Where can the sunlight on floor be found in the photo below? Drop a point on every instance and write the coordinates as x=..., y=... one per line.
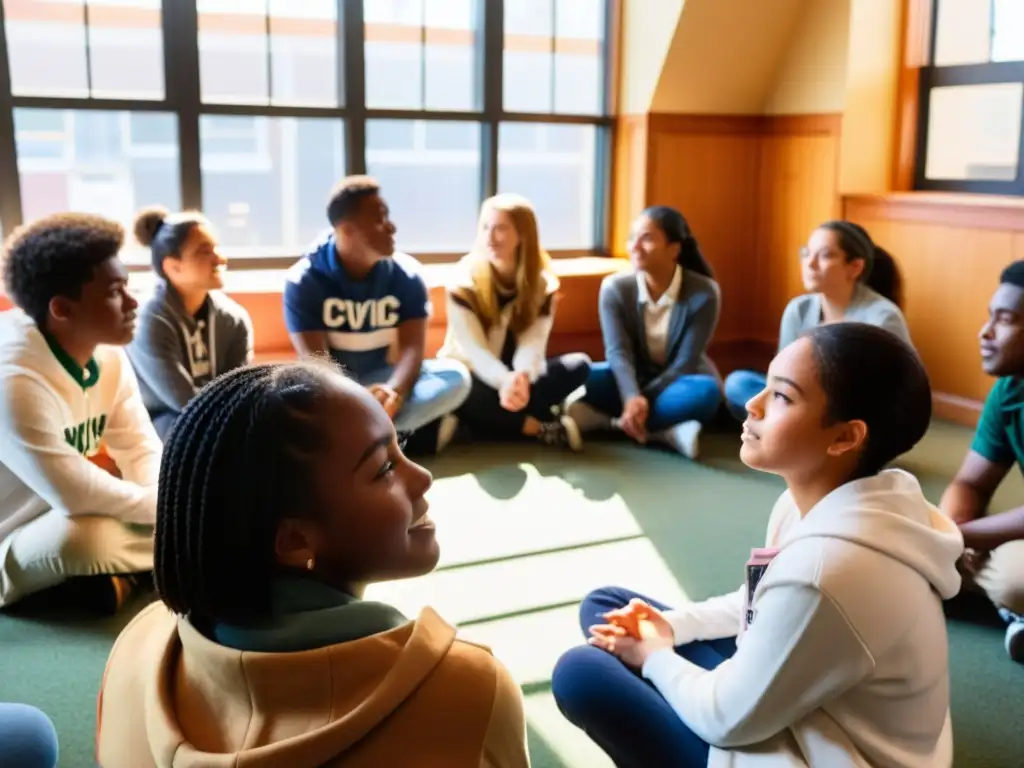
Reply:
x=501, y=582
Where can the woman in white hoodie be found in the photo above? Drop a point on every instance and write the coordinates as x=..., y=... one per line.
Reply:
x=835, y=653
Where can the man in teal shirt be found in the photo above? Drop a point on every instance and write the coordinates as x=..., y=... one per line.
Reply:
x=994, y=557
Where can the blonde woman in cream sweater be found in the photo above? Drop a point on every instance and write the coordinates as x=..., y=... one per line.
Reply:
x=501, y=307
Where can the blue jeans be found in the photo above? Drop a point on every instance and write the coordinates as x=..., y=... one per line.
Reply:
x=623, y=713
x=740, y=386
x=27, y=737
x=442, y=387
x=695, y=397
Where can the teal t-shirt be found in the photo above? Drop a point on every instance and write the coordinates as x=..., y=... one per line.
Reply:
x=1000, y=433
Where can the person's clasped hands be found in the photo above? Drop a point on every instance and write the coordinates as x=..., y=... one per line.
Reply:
x=514, y=394
x=633, y=633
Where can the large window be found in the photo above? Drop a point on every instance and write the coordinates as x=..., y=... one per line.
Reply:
x=972, y=99
x=252, y=109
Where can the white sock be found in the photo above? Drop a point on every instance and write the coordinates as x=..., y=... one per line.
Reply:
x=684, y=438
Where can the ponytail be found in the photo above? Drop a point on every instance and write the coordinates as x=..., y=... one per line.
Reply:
x=885, y=277
x=880, y=271
x=677, y=230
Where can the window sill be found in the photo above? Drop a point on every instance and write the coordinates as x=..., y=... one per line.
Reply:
x=944, y=208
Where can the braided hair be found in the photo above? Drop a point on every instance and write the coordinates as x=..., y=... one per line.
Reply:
x=237, y=461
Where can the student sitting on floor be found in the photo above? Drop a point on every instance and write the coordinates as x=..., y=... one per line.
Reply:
x=189, y=332
x=501, y=307
x=356, y=298
x=994, y=561
x=66, y=390
x=27, y=737
x=836, y=645
x=284, y=494
x=657, y=323
x=848, y=278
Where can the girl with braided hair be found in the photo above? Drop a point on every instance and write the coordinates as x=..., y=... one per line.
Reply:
x=848, y=278
x=283, y=494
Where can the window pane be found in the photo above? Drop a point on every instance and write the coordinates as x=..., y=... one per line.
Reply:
x=528, y=61
x=974, y=132
x=393, y=31
x=233, y=51
x=126, y=49
x=450, y=54
x=579, y=30
x=46, y=47
x=304, y=52
x=93, y=161
x=553, y=166
x=432, y=188
x=963, y=32
x=1008, y=31
x=266, y=180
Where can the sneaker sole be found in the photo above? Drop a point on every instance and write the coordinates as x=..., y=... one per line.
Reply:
x=1015, y=642
x=572, y=434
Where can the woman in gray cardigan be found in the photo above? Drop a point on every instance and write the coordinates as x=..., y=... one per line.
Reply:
x=850, y=279
x=657, y=321
x=188, y=332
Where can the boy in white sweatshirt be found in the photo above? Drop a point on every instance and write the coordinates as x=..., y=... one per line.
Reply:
x=835, y=654
x=67, y=394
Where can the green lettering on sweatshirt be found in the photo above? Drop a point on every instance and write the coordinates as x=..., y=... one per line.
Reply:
x=85, y=437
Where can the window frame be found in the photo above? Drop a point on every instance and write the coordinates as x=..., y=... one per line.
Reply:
x=182, y=97
x=934, y=76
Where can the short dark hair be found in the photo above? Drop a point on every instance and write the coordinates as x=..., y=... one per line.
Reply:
x=870, y=374
x=165, y=233
x=676, y=229
x=1013, y=274
x=347, y=195
x=56, y=256
x=237, y=460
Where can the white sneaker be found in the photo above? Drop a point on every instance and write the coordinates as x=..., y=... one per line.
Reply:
x=685, y=438
x=1014, y=635
x=562, y=432
x=446, y=431
x=587, y=418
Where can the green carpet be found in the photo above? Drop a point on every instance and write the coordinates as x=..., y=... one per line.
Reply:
x=525, y=532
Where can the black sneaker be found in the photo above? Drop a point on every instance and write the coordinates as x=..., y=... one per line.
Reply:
x=563, y=432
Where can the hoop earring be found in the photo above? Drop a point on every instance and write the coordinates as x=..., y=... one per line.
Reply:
x=309, y=564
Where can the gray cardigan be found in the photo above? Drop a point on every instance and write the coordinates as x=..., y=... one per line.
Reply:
x=159, y=351
x=691, y=326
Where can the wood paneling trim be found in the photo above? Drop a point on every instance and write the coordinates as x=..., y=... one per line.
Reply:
x=948, y=209
x=718, y=125
x=825, y=124
x=959, y=410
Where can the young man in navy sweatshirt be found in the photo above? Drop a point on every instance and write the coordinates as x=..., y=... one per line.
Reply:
x=358, y=300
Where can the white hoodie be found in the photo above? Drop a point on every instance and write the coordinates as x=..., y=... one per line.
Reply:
x=846, y=660
x=50, y=423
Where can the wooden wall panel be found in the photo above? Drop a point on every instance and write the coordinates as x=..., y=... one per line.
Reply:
x=950, y=252
x=797, y=191
x=710, y=179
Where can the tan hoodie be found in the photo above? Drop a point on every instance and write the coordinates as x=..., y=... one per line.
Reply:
x=411, y=696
